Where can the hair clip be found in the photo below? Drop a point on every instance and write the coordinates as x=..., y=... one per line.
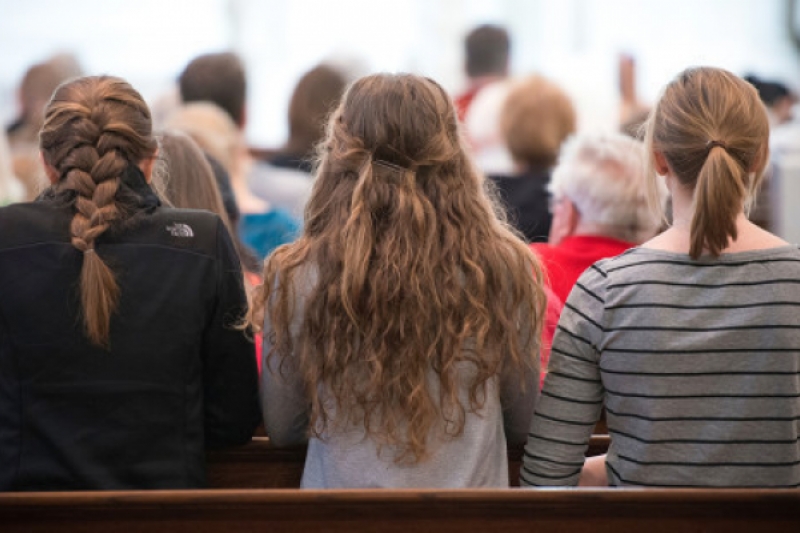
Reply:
x=391, y=166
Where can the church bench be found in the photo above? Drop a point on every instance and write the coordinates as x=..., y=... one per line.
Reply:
x=258, y=465
x=443, y=511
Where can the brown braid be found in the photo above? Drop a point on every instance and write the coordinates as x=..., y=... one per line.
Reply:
x=94, y=128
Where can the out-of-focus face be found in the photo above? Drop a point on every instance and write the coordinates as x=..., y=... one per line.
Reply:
x=782, y=111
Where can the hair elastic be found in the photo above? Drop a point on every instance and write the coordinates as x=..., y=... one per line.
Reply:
x=712, y=144
x=88, y=251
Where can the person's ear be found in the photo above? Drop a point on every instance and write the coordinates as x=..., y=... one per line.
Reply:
x=565, y=221
x=147, y=165
x=662, y=167
x=50, y=172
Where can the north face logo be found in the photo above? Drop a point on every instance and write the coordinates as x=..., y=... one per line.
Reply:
x=180, y=230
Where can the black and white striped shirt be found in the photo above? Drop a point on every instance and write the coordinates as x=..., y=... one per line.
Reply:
x=697, y=363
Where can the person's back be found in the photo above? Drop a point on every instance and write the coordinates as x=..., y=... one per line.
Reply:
x=119, y=364
x=401, y=330
x=690, y=340
x=537, y=117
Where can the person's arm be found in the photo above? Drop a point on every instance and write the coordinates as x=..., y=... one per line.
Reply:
x=283, y=399
x=518, y=392
x=230, y=377
x=572, y=397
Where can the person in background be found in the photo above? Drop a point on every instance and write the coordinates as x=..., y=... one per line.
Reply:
x=401, y=330
x=482, y=129
x=599, y=204
x=119, y=362
x=285, y=180
x=184, y=177
x=777, y=97
x=691, y=339
x=261, y=226
x=221, y=79
x=487, y=49
x=536, y=119
x=34, y=91
x=11, y=190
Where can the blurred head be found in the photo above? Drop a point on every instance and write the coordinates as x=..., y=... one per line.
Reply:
x=600, y=182
x=96, y=130
x=218, y=78
x=315, y=96
x=410, y=263
x=212, y=129
x=186, y=177
x=37, y=86
x=536, y=118
x=777, y=97
x=487, y=49
x=710, y=132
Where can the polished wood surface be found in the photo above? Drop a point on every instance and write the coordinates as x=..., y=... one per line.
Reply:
x=456, y=511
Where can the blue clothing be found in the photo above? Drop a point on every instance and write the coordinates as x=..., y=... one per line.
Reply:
x=263, y=232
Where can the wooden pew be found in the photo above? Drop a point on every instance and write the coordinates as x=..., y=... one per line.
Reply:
x=258, y=465
x=456, y=511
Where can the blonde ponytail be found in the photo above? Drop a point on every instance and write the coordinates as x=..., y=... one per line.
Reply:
x=713, y=131
x=719, y=198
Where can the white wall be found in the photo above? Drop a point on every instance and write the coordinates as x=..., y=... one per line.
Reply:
x=574, y=41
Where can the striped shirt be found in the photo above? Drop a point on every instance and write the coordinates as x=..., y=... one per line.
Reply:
x=697, y=363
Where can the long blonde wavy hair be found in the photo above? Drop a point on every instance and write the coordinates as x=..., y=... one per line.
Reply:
x=415, y=273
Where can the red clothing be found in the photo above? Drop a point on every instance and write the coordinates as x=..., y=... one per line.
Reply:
x=464, y=100
x=565, y=262
x=552, y=312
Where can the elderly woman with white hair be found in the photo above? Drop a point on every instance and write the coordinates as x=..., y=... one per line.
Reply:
x=599, y=205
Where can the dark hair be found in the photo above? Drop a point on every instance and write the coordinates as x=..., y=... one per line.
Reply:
x=95, y=130
x=314, y=97
x=487, y=50
x=770, y=92
x=218, y=78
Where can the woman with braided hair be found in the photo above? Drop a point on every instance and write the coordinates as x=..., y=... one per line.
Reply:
x=402, y=329
x=119, y=365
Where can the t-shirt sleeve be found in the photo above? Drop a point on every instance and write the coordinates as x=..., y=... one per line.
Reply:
x=572, y=397
x=283, y=399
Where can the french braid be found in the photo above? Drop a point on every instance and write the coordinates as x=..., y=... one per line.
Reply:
x=94, y=128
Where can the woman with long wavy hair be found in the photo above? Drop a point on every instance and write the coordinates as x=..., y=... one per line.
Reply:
x=402, y=329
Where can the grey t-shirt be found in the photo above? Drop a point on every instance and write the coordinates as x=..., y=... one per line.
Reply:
x=347, y=458
x=697, y=363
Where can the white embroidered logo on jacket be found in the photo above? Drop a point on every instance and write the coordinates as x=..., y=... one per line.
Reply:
x=180, y=230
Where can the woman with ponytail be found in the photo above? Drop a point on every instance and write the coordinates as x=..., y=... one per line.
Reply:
x=402, y=329
x=692, y=340
x=119, y=363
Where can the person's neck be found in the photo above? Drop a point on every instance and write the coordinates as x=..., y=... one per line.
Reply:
x=678, y=237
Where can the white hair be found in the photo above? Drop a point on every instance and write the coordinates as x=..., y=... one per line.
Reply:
x=605, y=176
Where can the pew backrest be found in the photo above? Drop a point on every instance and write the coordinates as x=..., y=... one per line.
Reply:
x=456, y=511
x=259, y=465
